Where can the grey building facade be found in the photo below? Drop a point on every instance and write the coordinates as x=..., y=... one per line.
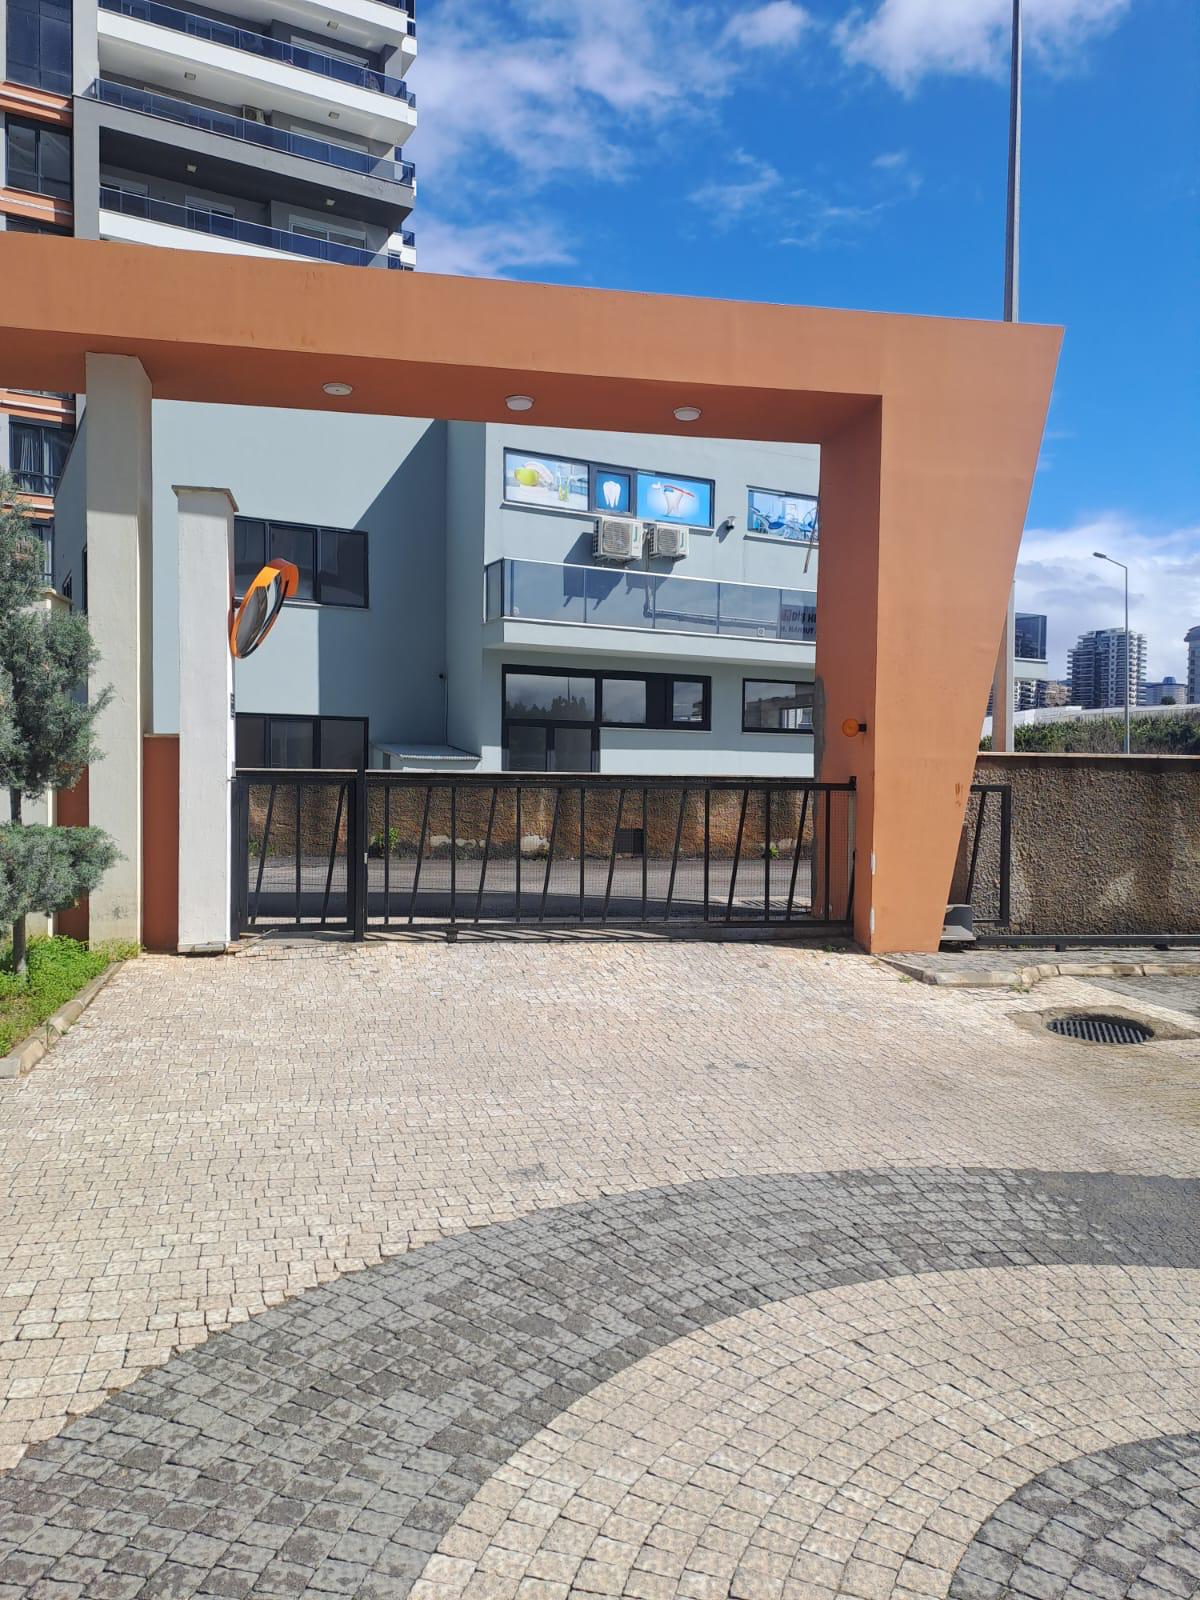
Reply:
x=1192, y=639
x=454, y=614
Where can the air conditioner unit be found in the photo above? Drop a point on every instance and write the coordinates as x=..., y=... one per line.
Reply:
x=668, y=539
x=617, y=539
x=254, y=114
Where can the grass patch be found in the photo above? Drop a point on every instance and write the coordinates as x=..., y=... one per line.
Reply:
x=58, y=969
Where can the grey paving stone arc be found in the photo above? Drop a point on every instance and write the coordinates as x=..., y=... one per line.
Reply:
x=326, y=1446
x=1120, y=1522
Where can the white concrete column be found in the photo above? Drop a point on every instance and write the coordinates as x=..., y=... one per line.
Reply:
x=206, y=750
x=119, y=552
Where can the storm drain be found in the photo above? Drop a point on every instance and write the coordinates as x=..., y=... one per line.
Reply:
x=1094, y=1028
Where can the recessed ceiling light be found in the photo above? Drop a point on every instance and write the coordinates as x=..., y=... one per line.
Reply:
x=338, y=388
x=328, y=201
x=687, y=413
x=332, y=26
x=191, y=166
x=189, y=77
x=334, y=115
x=519, y=402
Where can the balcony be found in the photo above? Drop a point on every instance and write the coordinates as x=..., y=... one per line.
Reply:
x=215, y=231
x=259, y=44
x=227, y=64
x=736, y=621
x=43, y=483
x=258, y=133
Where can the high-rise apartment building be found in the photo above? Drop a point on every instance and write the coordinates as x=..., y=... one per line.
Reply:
x=1099, y=664
x=268, y=127
x=1192, y=639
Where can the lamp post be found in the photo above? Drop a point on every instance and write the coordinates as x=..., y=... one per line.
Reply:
x=1100, y=556
x=1003, y=685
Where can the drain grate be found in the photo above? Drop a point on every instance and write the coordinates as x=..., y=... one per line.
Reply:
x=1094, y=1028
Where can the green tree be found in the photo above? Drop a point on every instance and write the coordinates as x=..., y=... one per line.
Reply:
x=46, y=732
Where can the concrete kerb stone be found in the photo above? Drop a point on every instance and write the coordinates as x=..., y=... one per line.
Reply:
x=25, y=1056
x=1026, y=974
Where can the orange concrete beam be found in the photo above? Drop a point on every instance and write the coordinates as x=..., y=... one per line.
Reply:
x=37, y=207
x=22, y=100
x=929, y=429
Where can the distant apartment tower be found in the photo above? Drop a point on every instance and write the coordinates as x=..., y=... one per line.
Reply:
x=263, y=127
x=1101, y=663
x=1192, y=639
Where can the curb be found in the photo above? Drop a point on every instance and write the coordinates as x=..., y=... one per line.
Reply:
x=26, y=1055
x=1034, y=972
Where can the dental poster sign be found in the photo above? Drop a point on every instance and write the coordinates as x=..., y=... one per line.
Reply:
x=556, y=483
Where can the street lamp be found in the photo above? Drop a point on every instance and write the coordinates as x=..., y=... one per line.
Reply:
x=1100, y=556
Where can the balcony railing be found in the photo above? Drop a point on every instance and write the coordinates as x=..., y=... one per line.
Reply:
x=221, y=226
x=607, y=597
x=234, y=127
x=259, y=44
x=35, y=482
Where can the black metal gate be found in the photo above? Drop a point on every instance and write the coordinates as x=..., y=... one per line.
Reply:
x=390, y=851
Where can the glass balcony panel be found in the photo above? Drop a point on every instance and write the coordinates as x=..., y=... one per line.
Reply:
x=623, y=598
x=235, y=127
x=618, y=599
x=544, y=592
x=797, y=616
x=749, y=610
x=221, y=225
x=228, y=33
x=687, y=605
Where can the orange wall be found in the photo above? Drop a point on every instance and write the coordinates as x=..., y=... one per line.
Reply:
x=160, y=841
x=929, y=429
x=71, y=811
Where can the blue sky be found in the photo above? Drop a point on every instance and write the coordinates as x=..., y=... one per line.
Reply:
x=854, y=155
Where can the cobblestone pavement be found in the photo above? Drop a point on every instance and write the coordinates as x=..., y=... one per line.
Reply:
x=698, y=1270
x=1177, y=994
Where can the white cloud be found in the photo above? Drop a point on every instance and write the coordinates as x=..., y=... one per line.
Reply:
x=490, y=250
x=776, y=25
x=514, y=95
x=1058, y=574
x=734, y=196
x=905, y=40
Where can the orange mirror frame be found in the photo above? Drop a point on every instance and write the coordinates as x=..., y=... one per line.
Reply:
x=261, y=604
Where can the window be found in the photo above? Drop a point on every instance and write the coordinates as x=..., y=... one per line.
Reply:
x=38, y=454
x=32, y=225
x=623, y=702
x=689, y=702
x=552, y=720
x=561, y=699
x=332, y=562
x=39, y=44
x=782, y=515
x=285, y=741
x=39, y=159
x=771, y=705
x=1030, y=637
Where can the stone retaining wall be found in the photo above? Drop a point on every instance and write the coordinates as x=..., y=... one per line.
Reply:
x=1100, y=844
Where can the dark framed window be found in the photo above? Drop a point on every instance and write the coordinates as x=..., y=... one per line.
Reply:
x=38, y=454
x=38, y=158
x=776, y=705
x=32, y=225
x=552, y=719
x=287, y=741
x=332, y=562
x=39, y=44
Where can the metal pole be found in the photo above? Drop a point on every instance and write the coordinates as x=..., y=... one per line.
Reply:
x=1003, y=684
x=1128, y=661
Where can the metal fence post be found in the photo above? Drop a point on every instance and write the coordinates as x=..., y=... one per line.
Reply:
x=356, y=862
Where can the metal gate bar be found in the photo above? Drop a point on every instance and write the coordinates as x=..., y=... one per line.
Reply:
x=458, y=848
